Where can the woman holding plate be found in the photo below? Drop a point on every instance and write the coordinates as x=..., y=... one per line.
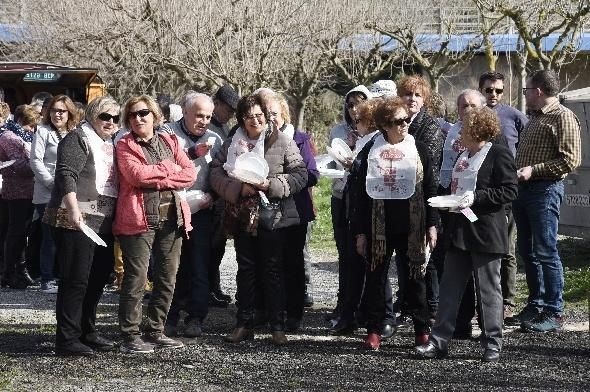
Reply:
x=84, y=196
x=391, y=214
x=477, y=231
x=258, y=212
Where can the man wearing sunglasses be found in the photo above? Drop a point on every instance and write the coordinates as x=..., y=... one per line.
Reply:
x=512, y=122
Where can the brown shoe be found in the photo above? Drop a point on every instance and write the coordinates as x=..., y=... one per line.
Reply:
x=239, y=334
x=278, y=338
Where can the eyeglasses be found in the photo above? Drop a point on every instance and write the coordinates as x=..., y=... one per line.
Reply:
x=401, y=121
x=257, y=116
x=273, y=114
x=490, y=90
x=107, y=117
x=58, y=111
x=141, y=113
x=524, y=89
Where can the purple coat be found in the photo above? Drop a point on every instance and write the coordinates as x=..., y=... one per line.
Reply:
x=303, y=198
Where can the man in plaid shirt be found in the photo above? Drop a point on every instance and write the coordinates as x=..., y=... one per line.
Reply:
x=549, y=149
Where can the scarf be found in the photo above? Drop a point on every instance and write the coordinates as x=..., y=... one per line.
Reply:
x=13, y=126
x=416, y=236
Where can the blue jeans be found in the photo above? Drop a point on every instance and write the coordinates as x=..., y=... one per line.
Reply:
x=536, y=212
x=47, y=256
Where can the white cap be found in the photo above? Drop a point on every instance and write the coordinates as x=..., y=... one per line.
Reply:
x=383, y=88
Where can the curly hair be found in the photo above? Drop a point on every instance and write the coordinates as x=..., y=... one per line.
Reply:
x=4, y=112
x=366, y=113
x=385, y=111
x=73, y=113
x=437, y=107
x=411, y=83
x=26, y=115
x=481, y=124
x=245, y=104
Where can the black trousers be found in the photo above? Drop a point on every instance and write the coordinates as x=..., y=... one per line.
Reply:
x=218, y=242
x=20, y=215
x=415, y=292
x=3, y=229
x=83, y=269
x=355, y=283
x=294, y=267
x=264, y=250
x=338, y=210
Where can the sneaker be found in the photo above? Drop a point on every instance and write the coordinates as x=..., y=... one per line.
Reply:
x=194, y=328
x=161, y=340
x=49, y=287
x=527, y=314
x=136, y=346
x=545, y=322
x=74, y=349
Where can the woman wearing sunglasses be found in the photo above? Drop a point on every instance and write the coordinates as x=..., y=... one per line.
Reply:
x=150, y=221
x=391, y=214
x=84, y=194
x=60, y=118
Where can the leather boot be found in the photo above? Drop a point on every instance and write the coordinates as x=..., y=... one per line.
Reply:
x=278, y=338
x=239, y=334
x=23, y=274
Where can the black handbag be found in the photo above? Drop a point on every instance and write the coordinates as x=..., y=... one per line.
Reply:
x=269, y=214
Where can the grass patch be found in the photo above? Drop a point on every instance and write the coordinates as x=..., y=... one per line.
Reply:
x=323, y=236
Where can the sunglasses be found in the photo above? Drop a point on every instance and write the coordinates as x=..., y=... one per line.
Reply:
x=141, y=113
x=401, y=121
x=108, y=117
x=490, y=90
x=57, y=111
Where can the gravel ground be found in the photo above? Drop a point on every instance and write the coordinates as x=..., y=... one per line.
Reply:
x=312, y=360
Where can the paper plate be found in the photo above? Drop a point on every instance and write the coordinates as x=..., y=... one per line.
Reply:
x=323, y=160
x=247, y=176
x=253, y=163
x=194, y=198
x=335, y=155
x=341, y=148
x=332, y=173
x=450, y=201
x=6, y=164
x=91, y=234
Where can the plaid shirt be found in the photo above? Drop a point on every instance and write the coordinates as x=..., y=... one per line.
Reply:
x=550, y=143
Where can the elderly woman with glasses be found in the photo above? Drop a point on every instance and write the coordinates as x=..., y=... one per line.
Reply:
x=391, y=214
x=61, y=118
x=17, y=192
x=150, y=221
x=84, y=196
x=258, y=213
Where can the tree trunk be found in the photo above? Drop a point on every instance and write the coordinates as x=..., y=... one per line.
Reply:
x=300, y=112
x=522, y=60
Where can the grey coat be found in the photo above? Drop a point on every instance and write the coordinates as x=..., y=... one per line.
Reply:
x=287, y=175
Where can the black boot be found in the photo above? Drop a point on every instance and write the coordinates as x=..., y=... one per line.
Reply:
x=308, y=298
x=22, y=273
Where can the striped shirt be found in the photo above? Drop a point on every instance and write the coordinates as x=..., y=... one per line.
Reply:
x=550, y=143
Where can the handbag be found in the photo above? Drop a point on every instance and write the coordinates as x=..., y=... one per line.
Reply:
x=269, y=214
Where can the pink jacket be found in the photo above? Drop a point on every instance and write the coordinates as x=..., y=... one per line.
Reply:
x=135, y=173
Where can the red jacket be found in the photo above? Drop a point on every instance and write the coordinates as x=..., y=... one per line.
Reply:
x=135, y=173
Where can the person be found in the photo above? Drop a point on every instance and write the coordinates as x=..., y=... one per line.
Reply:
x=383, y=88
x=17, y=192
x=38, y=100
x=512, y=122
x=477, y=234
x=150, y=219
x=416, y=94
x=346, y=131
x=437, y=108
x=4, y=113
x=192, y=281
x=256, y=225
x=84, y=193
x=391, y=214
x=351, y=315
x=226, y=101
x=549, y=149
x=4, y=117
x=61, y=118
x=293, y=260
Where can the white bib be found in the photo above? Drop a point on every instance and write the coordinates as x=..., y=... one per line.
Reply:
x=465, y=170
x=103, y=151
x=241, y=143
x=391, y=172
x=451, y=150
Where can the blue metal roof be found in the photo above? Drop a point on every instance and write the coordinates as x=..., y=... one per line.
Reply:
x=12, y=32
x=460, y=42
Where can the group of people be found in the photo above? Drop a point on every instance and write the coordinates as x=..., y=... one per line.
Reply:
x=448, y=201
x=83, y=176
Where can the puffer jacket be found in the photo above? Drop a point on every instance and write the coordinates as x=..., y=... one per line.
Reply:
x=287, y=175
x=135, y=174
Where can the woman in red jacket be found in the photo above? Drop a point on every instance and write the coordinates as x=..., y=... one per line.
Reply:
x=150, y=219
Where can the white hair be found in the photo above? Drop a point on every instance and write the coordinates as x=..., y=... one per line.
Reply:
x=191, y=96
x=469, y=91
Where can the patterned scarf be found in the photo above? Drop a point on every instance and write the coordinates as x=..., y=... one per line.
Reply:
x=416, y=236
x=13, y=126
